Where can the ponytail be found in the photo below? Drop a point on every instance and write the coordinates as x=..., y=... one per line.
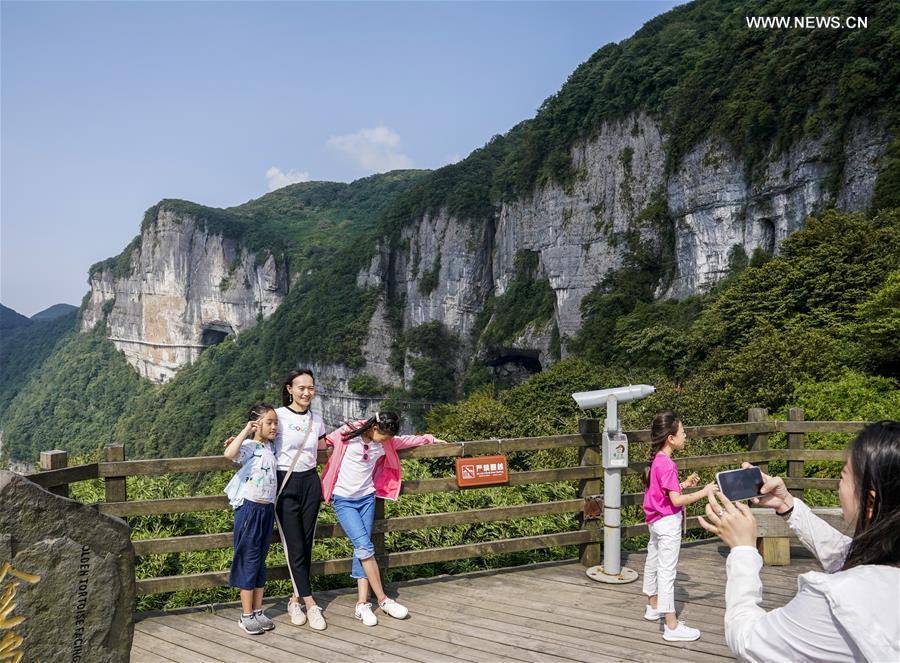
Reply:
x=386, y=422
x=664, y=424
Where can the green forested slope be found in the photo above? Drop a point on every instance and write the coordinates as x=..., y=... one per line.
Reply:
x=325, y=227
x=24, y=348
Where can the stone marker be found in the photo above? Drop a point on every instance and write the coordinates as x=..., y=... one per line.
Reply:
x=66, y=578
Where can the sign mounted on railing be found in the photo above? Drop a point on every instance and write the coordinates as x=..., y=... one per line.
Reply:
x=481, y=471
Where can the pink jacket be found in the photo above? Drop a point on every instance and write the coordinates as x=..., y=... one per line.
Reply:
x=386, y=475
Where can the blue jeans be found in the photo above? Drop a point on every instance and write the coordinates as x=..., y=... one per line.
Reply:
x=356, y=516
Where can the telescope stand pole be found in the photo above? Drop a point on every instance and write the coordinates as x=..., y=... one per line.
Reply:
x=612, y=571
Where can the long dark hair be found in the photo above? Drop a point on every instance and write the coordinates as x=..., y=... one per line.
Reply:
x=664, y=424
x=286, y=398
x=386, y=422
x=875, y=461
x=258, y=411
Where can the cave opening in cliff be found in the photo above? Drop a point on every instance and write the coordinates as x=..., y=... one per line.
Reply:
x=213, y=334
x=514, y=367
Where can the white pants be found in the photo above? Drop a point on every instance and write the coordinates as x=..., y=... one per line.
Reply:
x=662, y=558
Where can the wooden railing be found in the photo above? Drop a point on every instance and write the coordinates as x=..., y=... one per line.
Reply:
x=589, y=473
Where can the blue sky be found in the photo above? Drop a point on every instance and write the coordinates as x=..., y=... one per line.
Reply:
x=107, y=107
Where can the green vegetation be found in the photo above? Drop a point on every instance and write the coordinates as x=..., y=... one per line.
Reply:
x=365, y=385
x=527, y=299
x=701, y=72
x=24, y=348
x=74, y=398
x=429, y=280
x=648, y=265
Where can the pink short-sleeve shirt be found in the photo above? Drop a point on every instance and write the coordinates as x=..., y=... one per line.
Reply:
x=663, y=478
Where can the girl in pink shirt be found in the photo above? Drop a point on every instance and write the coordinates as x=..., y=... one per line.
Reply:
x=664, y=506
x=364, y=465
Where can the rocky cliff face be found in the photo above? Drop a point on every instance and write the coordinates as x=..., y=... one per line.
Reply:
x=183, y=290
x=716, y=203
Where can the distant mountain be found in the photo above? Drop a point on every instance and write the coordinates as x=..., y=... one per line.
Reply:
x=10, y=319
x=53, y=312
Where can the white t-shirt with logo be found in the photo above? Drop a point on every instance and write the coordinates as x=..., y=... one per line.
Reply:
x=292, y=432
x=355, y=476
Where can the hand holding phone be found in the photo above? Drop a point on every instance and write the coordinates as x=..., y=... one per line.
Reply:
x=773, y=494
x=740, y=484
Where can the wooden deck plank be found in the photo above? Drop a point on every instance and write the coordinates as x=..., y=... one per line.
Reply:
x=688, y=579
x=349, y=629
x=330, y=639
x=710, y=592
x=553, y=637
x=271, y=646
x=424, y=648
x=586, y=612
x=173, y=652
x=579, y=627
x=439, y=630
x=203, y=641
x=523, y=633
x=550, y=612
x=139, y=655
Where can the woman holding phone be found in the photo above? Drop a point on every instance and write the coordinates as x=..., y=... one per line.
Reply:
x=849, y=612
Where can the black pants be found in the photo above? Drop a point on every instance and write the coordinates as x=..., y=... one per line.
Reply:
x=296, y=511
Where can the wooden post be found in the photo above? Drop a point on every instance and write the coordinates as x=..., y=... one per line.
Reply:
x=115, y=486
x=795, y=469
x=590, y=455
x=378, y=537
x=56, y=460
x=759, y=441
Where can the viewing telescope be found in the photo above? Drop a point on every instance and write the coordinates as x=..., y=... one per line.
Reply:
x=587, y=400
x=614, y=447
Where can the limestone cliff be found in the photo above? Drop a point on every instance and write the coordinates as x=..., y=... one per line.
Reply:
x=181, y=289
x=444, y=268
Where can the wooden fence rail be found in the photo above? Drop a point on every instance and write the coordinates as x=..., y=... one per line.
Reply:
x=114, y=470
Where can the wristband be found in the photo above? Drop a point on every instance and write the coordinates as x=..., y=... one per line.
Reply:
x=787, y=514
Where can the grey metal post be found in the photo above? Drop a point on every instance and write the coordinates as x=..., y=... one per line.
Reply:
x=612, y=499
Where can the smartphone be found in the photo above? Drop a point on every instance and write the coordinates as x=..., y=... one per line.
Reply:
x=740, y=484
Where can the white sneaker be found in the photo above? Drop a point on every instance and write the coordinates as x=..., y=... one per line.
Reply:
x=295, y=610
x=651, y=614
x=394, y=609
x=365, y=614
x=316, y=618
x=680, y=633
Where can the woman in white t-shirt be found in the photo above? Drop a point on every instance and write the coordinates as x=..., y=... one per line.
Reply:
x=849, y=612
x=300, y=431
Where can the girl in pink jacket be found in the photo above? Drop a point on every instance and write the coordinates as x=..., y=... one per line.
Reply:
x=364, y=465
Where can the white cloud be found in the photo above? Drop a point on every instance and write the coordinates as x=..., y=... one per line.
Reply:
x=277, y=179
x=453, y=158
x=375, y=150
